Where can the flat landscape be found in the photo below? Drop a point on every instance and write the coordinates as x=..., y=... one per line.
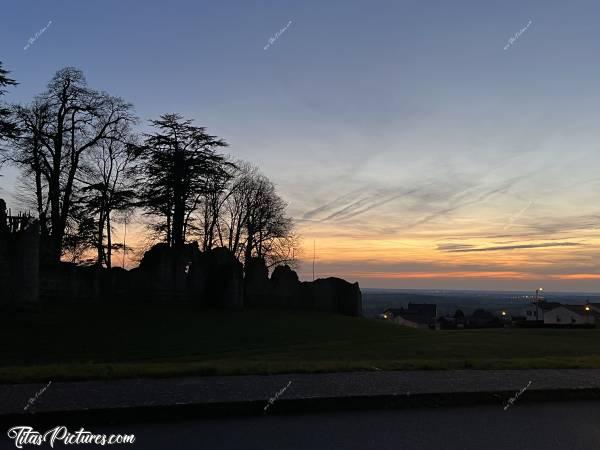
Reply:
x=136, y=341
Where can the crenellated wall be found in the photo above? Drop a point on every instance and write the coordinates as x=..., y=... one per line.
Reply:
x=284, y=289
x=19, y=260
x=214, y=278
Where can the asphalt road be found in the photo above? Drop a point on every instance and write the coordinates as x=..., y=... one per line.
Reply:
x=569, y=425
x=152, y=392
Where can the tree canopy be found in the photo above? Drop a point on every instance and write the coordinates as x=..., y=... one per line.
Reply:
x=84, y=167
x=7, y=126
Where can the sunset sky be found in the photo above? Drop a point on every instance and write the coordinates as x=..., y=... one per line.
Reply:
x=414, y=150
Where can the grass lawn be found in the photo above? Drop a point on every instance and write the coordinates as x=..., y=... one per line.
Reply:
x=152, y=341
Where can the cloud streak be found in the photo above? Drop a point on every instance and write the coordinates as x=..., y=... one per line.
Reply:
x=461, y=202
x=366, y=205
x=348, y=205
x=512, y=220
x=510, y=247
x=336, y=203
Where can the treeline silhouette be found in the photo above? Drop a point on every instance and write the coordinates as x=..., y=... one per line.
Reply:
x=218, y=225
x=86, y=168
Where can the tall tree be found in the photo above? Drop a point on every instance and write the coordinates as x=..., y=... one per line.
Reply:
x=26, y=152
x=254, y=222
x=211, y=206
x=109, y=179
x=180, y=161
x=57, y=131
x=7, y=126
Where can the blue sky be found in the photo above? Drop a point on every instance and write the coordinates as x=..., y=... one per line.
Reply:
x=395, y=129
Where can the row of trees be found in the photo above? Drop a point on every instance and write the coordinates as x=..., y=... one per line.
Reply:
x=85, y=168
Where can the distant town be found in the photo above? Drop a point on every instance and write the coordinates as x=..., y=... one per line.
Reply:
x=538, y=312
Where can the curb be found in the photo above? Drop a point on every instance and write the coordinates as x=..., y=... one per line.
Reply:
x=221, y=410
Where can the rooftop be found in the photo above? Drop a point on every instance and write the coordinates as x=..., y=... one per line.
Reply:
x=416, y=312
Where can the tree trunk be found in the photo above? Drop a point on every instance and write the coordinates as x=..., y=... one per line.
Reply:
x=56, y=237
x=108, y=242
x=100, y=240
x=179, y=199
x=248, y=250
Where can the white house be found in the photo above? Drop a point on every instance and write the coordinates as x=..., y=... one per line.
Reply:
x=535, y=311
x=570, y=315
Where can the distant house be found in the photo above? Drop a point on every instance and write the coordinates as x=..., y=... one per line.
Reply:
x=416, y=315
x=536, y=310
x=571, y=315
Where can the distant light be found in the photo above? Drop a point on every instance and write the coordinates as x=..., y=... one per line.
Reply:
x=587, y=308
x=385, y=316
x=503, y=313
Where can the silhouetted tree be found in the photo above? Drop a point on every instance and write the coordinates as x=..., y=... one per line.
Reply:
x=254, y=220
x=180, y=165
x=80, y=236
x=7, y=126
x=56, y=132
x=27, y=153
x=211, y=207
x=235, y=211
x=108, y=179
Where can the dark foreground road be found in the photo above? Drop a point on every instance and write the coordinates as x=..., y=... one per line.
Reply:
x=569, y=425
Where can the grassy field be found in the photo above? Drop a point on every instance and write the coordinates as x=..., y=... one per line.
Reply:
x=109, y=343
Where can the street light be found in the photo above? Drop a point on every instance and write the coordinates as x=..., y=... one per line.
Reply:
x=537, y=301
x=537, y=291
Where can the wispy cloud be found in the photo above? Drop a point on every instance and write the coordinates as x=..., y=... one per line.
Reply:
x=465, y=198
x=348, y=209
x=453, y=247
x=356, y=203
x=510, y=247
x=367, y=204
x=514, y=218
x=335, y=203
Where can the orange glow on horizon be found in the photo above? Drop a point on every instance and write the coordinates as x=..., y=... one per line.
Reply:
x=440, y=275
x=577, y=276
x=426, y=255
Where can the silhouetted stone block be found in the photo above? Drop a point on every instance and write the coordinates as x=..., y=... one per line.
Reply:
x=257, y=288
x=225, y=285
x=333, y=294
x=286, y=287
x=19, y=260
x=165, y=273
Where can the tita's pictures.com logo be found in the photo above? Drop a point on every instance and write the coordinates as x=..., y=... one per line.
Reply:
x=25, y=436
